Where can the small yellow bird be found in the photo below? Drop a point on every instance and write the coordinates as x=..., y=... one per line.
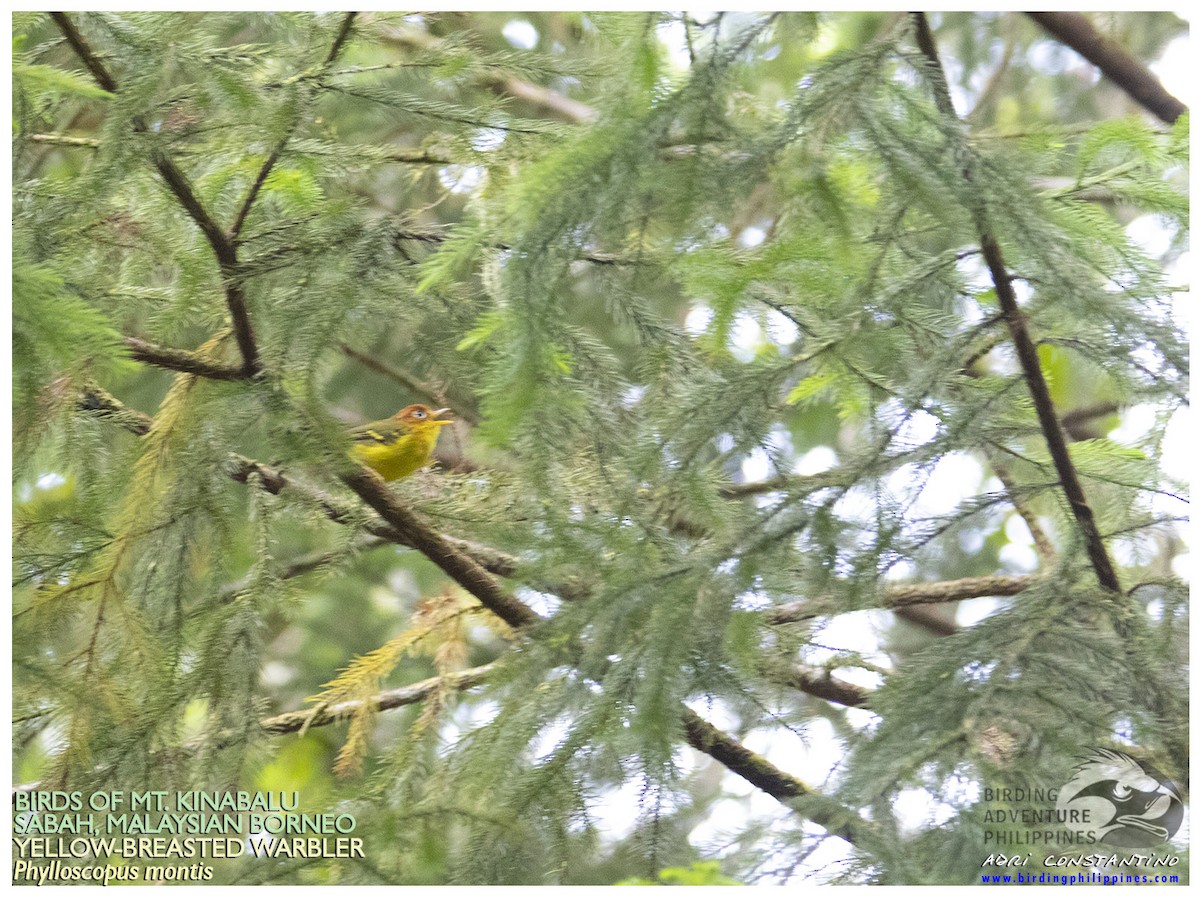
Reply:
x=397, y=447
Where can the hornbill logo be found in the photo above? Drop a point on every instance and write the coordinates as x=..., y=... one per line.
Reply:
x=1128, y=802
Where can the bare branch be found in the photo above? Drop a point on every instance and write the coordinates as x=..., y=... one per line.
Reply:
x=916, y=594
x=785, y=788
x=821, y=683
x=1127, y=73
x=63, y=140
x=180, y=360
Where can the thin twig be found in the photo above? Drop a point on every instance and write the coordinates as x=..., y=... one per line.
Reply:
x=437, y=237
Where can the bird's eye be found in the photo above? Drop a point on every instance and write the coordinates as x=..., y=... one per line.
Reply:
x=418, y=414
x=1122, y=791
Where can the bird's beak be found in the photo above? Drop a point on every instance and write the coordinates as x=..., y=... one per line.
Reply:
x=437, y=416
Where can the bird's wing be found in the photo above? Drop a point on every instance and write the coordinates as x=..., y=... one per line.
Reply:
x=382, y=432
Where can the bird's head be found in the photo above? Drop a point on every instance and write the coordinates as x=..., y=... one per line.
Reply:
x=419, y=416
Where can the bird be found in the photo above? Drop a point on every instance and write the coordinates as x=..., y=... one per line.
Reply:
x=398, y=446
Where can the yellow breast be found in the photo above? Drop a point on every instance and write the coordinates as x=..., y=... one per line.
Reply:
x=402, y=456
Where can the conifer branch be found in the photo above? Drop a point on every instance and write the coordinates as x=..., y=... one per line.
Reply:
x=309, y=562
x=916, y=594
x=428, y=236
x=298, y=720
x=63, y=140
x=803, y=484
x=822, y=683
x=472, y=565
x=303, y=719
x=757, y=770
x=226, y=253
x=553, y=102
x=932, y=619
x=463, y=562
x=340, y=41
x=1022, y=342
x=556, y=104
x=95, y=399
x=180, y=360
x=264, y=171
x=223, y=248
x=84, y=51
x=411, y=156
x=1074, y=422
x=420, y=157
x=461, y=567
x=500, y=564
x=1127, y=73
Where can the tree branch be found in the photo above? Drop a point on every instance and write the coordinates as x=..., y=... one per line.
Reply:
x=299, y=720
x=429, y=236
x=1075, y=421
x=63, y=140
x=755, y=769
x=273, y=157
x=916, y=594
x=821, y=683
x=104, y=405
x=84, y=51
x=181, y=187
x=1127, y=73
x=1018, y=331
x=458, y=565
x=461, y=560
x=309, y=562
x=503, y=565
x=180, y=360
x=302, y=719
x=552, y=102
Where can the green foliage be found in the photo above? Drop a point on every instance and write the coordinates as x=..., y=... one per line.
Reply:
x=709, y=301
x=698, y=874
